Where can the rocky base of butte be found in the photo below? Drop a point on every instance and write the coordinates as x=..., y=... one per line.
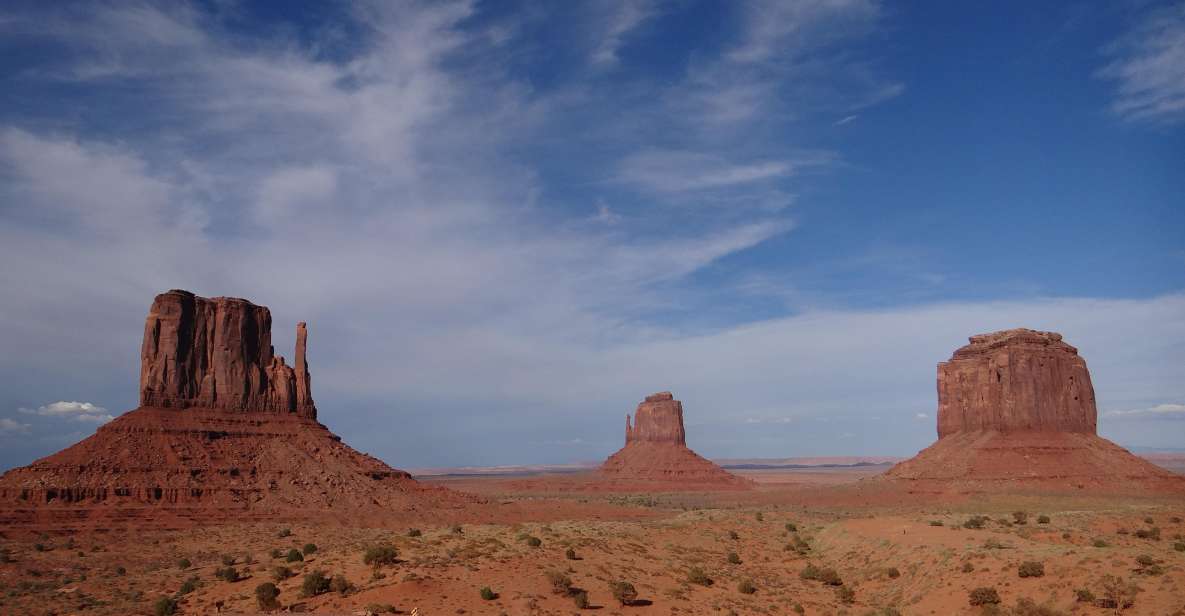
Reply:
x=1016, y=409
x=225, y=431
x=656, y=451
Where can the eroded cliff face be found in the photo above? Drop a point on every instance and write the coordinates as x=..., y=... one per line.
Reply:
x=217, y=354
x=658, y=419
x=1015, y=380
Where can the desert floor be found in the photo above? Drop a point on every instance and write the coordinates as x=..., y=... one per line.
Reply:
x=893, y=553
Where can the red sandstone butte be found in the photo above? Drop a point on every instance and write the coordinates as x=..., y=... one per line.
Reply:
x=656, y=451
x=226, y=431
x=1017, y=408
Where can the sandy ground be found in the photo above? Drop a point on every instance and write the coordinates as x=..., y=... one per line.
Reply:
x=909, y=553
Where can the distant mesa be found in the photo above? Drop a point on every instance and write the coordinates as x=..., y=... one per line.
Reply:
x=226, y=430
x=656, y=450
x=1017, y=407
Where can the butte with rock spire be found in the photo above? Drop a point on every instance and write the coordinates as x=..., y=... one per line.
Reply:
x=225, y=430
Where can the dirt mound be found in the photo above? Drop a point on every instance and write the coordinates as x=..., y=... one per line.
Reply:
x=656, y=452
x=1016, y=408
x=230, y=434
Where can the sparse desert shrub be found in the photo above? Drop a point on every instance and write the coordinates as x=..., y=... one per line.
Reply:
x=284, y=532
x=845, y=595
x=984, y=595
x=695, y=575
x=1179, y=546
x=893, y=572
x=760, y=517
x=265, y=596
x=340, y=585
x=992, y=544
x=791, y=527
x=487, y=594
x=935, y=522
x=825, y=575
x=1099, y=543
x=885, y=611
x=455, y=529
x=1123, y=531
x=378, y=555
x=165, y=606
x=746, y=587
x=1031, y=568
x=1043, y=519
x=184, y=564
x=734, y=558
x=580, y=599
x=1148, y=520
x=732, y=534
x=189, y=585
x=309, y=548
x=121, y=571
x=1116, y=593
x=414, y=532
x=560, y=582
x=40, y=547
x=798, y=609
x=1145, y=560
x=276, y=553
x=1028, y=607
x=227, y=574
x=314, y=583
x=798, y=544
x=570, y=554
x=623, y=592
x=975, y=522
x=5, y=555
x=381, y=608
x=1083, y=595
x=1020, y=517
x=1149, y=533
x=280, y=574
x=534, y=541
x=294, y=556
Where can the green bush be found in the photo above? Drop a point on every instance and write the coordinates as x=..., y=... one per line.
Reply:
x=695, y=575
x=623, y=592
x=265, y=596
x=165, y=606
x=378, y=555
x=294, y=556
x=488, y=594
x=560, y=582
x=314, y=584
x=746, y=587
x=309, y=548
x=580, y=599
x=1031, y=568
x=984, y=595
x=734, y=558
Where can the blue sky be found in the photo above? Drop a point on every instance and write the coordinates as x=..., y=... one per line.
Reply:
x=506, y=223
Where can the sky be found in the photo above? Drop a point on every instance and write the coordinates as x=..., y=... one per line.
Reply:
x=507, y=222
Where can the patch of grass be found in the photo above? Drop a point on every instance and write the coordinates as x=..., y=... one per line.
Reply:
x=825, y=575
x=1031, y=568
x=695, y=575
x=623, y=592
x=984, y=595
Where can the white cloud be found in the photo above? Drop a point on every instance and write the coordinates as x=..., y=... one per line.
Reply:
x=66, y=409
x=672, y=171
x=1160, y=411
x=12, y=426
x=625, y=16
x=845, y=120
x=1149, y=67
x=921, y=416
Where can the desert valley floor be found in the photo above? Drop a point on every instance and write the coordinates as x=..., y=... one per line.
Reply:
x=729, y=552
